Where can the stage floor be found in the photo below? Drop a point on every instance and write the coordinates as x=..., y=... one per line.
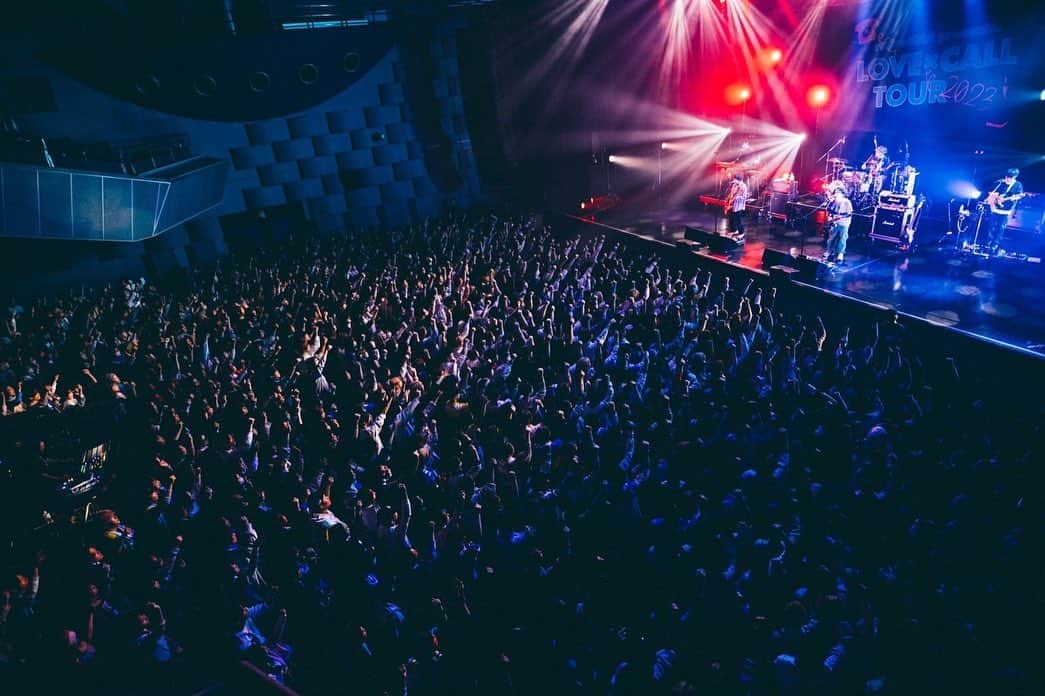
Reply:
x=1000, y=300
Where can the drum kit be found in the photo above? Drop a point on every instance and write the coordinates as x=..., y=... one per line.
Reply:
x=863, y=186
x=752, y=175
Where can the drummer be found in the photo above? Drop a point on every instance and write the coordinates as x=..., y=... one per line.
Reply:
x=878, y=162
x=876, y=166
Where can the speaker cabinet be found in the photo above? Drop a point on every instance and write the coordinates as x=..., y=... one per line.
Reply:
x=891, y=225
x=773, y=257
x=716, y=243
x=778, y=205
x=696, y=234
x=1029, y=219
x=810, y=269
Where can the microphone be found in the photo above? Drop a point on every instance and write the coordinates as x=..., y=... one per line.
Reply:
x=843, y=140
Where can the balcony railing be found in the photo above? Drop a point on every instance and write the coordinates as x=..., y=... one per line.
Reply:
x=52, y=203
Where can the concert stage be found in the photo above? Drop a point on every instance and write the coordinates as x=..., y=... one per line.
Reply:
x=999, y=300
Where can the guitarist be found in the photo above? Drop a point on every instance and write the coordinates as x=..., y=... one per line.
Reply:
x=1002, y=201
x=840, y=215
x=736, y=204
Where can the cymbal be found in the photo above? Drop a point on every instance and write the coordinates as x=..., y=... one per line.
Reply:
x=838, y=160
x=752, y=171
x=725, y=165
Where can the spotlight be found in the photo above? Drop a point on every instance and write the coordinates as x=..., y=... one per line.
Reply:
x=818, y=95
x=1042, y=95
x=769, y=57
x=612, y=159
x=663, y=146
x=737, y=93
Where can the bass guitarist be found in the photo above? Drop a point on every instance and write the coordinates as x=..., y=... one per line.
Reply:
x=1002, y=201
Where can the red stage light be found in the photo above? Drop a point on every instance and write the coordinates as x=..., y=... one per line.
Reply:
x=818, y=96
x=769, y=57
x=737, y=93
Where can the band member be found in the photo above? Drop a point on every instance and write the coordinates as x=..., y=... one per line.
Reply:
x=878, y=160
x=736, y=204
x=1002, y=201
x=840, y=215
x=876, y=166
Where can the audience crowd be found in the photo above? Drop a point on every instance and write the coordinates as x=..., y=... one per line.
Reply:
x=475, y=456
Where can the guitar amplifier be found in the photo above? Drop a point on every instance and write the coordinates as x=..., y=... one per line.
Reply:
x=896, y=201
x=779, y=204
x=891, y=225
x=1029, y=219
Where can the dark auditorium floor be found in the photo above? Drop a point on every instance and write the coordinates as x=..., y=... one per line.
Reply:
x=1001, y=300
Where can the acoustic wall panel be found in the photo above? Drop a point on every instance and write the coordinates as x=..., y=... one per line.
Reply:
x=332, y=184
x=331, y=144
x=315, y=167
x=364, y=197
x=389, y=154
x=278, y=173
x=267, y=132
x=346, y=121
x=356, y=159
x=252, y=156
x=308, y=124
x=294, y=150
x=304, y=190
x=264, y=197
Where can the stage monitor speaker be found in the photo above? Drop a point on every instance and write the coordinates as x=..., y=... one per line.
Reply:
x=782, y=275
x=721, y=244
x=696, y=234
x=810, y=269
x=773, y=257
x=1023, y=243
x=716, y=243
x=1029, y=219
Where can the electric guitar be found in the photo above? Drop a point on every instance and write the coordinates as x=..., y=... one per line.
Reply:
x=995, y=199
x=734, y=192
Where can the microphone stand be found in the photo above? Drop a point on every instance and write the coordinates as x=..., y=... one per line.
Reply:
x=802, y=219
x=831, y=149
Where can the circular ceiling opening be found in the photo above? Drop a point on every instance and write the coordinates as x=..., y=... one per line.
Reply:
x=350, y=62
x=259, y=81
x=205, y=86
x=148, y=85
x=308, y=74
